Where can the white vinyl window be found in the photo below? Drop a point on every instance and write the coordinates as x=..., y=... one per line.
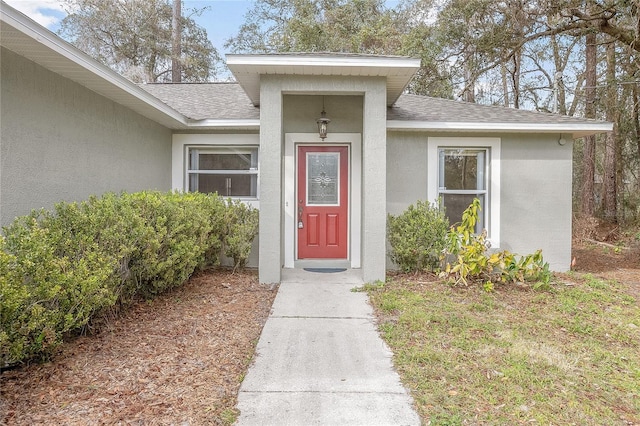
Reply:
x=229, y=171
x=462, y=176
x=461, y=169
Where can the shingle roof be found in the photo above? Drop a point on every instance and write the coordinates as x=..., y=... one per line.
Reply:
x=424, y=108
x=200, y=101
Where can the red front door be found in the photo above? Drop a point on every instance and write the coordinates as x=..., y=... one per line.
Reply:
x=323, y=193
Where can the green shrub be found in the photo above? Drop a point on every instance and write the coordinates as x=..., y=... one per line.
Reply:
x=174, y=241
x=241, y=227
x=60, y=270
x=60, y=287
x=466, y=257
x=417, y=237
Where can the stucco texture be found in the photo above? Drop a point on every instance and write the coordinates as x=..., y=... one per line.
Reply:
x=63, y=142
x=535, y=189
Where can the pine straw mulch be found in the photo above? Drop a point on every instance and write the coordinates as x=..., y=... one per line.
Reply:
x=622, y=266
x=178, y=359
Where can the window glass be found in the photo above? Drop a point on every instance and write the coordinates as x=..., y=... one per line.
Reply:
x=456, y=204
x=463, y=169
x=229, y=171
x=322, y=178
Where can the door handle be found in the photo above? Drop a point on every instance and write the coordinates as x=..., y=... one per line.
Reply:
x=300, y=224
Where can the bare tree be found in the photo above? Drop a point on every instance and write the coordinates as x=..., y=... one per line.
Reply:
x=134, y=37
x=610, y=187
x=589, y=154
x=176, y=42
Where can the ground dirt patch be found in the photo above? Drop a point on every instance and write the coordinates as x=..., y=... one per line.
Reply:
x=178, y=359
x=621, y=263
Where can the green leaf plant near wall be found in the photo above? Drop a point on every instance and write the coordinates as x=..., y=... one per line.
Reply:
x=467, y=258
x=62, y=270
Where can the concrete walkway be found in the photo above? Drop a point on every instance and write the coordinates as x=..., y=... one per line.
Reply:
x=320, y=360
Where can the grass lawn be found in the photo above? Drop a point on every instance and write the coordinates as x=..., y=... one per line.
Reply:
x=567, y=355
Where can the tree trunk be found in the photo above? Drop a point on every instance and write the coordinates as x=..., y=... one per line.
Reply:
x=589, y=154
x=635, y=99
x=561, y=97
x=610, y=189
x=176, y=45
x=505, y=84
x=469, y=94
x=515, y=79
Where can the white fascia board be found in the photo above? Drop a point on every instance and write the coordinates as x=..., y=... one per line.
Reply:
x=224, y=124
x=321, y=61
x=39, y=34
x=577, y=129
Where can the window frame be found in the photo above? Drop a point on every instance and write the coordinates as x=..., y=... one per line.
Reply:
x=182, y=142
x=492, y=176
x=223, y=149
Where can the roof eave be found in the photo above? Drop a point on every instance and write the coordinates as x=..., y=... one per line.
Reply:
x=322, y=60
x=74, y=64
x=224, y=124
x=577, y=130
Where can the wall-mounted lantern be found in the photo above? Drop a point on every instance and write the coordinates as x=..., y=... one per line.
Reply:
x=323, y=123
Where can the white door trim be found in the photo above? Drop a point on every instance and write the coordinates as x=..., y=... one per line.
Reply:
x=354, y=140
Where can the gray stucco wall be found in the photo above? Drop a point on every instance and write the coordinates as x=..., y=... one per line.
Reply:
x=535, y=189
x=300, y=113
x=536, y=197
x=406, y=170
x=61, y=141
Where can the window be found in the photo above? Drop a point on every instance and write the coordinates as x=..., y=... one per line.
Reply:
x=460, y=169
x=462, y=176
x=229, y=171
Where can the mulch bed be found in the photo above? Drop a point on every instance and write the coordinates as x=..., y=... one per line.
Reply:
x=178, y=359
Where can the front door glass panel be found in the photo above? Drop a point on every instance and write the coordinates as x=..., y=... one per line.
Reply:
x=323, y=180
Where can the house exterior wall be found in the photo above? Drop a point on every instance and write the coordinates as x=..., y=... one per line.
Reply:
x=535, y=189
x=536, y=197
x=278, y=115
x=300, y=113
x=63, y=142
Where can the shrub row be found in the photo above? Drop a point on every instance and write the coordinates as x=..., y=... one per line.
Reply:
x=61, y=269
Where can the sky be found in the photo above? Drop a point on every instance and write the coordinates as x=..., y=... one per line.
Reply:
x=221, y=19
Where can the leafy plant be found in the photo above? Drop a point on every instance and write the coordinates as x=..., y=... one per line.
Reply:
x=466, y=257
x=417, y=237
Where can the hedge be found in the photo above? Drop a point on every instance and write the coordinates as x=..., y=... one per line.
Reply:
x=62, y=269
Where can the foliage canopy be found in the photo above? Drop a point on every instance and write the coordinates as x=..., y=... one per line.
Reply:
x=134, y=37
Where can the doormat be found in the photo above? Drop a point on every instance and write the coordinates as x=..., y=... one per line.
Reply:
x=325, y=270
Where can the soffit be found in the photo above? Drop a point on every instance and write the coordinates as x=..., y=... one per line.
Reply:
x=25, y=37
x=247, y=69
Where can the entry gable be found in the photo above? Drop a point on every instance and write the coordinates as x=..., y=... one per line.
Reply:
x=247, y=69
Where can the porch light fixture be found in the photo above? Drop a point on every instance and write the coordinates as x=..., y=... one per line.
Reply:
x=323, y=123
